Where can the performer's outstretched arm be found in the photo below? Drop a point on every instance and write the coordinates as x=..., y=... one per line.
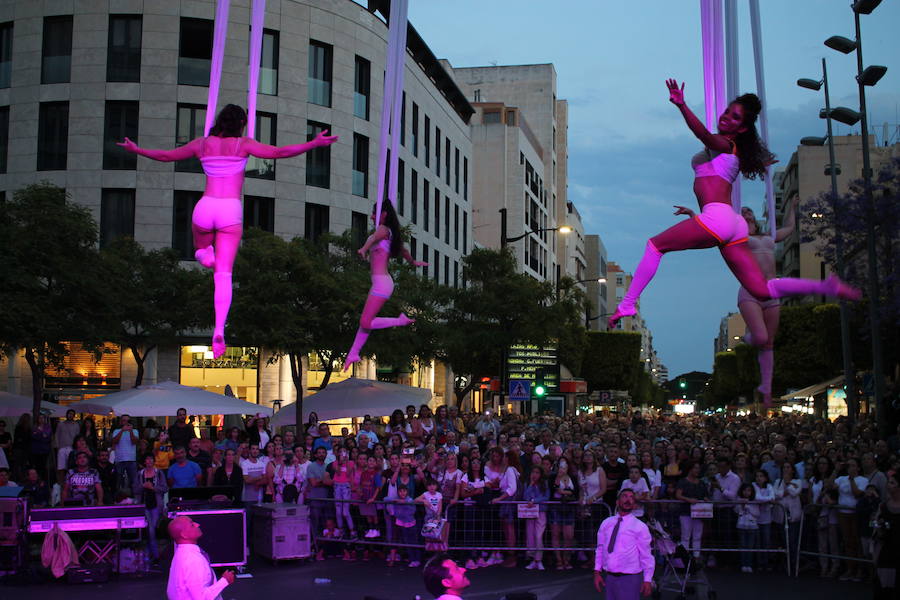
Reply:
x=179, y=153
x=267, y=151
x=713, y=141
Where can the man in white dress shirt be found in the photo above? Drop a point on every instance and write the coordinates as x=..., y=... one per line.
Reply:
x=191, y=577
x=624, y=563
x=445, y=579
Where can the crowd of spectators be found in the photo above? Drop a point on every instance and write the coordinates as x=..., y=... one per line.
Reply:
x=539, y=482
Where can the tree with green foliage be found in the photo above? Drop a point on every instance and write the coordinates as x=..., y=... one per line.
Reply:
x=300, y=297
x=725, y=385
x=569, y=309
x=499, y=308
x=48, y=280
x=150, y=299
x=612, y=360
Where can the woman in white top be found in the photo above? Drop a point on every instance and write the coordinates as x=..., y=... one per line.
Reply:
x=472, y=490
x=654, y=477
x=787, y=493
x=850, y=487
x=501, y=480
x=764, y=492
x=592, y=483
x=281, y=473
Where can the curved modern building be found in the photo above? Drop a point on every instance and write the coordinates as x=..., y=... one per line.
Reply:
x=78, y=76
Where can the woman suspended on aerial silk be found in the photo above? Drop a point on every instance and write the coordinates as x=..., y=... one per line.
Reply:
x=217, y=221
x=735, y=149
x=761, y=317
x=384, y=244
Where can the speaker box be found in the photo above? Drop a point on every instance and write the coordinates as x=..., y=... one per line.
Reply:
x=224, y=536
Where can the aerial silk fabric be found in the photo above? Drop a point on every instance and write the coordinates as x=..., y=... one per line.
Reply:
x=220, y=36
x=392, y=104
x=756, y=32
x=732, y=78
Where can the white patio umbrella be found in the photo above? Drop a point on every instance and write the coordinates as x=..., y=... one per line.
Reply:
x=12, y=405
x=164, y=399
x=354, y=398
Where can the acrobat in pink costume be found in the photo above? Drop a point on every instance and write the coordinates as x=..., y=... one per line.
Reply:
x=761, y=316
x=385, y=242
x=736, y=148
x=217, y=220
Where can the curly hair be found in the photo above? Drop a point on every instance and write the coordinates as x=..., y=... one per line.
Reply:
x=752, y=152
x=229, y=122
x=392, y=223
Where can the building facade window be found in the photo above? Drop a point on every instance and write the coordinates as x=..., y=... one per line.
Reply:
x=426, y=200
x=6, y=39
x=56, y=58
x=446, y=270
x=360, y=165
x=456, y=227
x=425, y=255
x=414, y=196
x=268, y=67
x=53, y=136
x=447, y=220
x=456, y=169
x=319, y=78
x=455, y=273
x=123, y=48
x=413, y=243
x=465, y=228
x=437, y=213
x=318, y=160
x=437, y=266
x=447, y=161
x=190, y=120
x=362, y=83
x=427, y=141
x=414, y=132
x=121, y=121
x=116, y=215
x=465, y=178
x=266, y=126
x=4, y=137
x=182, y=210
x=403, y=121
x=316, y=222
x=359, y=228
x=195, y=51
x=259, y=211
x=401, y=187
x=437, y=151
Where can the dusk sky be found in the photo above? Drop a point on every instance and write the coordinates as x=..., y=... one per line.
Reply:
x=629, y=150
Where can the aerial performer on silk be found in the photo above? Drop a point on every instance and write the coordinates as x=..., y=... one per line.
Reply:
x=384, y=243
x=735, y=149
x=217, y=220
x=761, y=316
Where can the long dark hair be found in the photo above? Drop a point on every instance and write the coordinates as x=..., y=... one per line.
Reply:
x=753, y=154
x=229, y=122
x=393, y=223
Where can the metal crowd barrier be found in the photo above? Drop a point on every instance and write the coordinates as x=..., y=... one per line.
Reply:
x=824, y=534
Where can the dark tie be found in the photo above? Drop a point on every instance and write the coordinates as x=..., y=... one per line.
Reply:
x=615, y=533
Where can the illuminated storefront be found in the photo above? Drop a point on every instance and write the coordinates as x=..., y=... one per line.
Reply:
x=238, y=367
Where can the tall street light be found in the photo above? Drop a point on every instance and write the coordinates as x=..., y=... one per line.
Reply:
x=504, y=240
x=833, y=170
x=864, y=77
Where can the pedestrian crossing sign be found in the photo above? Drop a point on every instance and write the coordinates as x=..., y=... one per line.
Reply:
x=519, y=390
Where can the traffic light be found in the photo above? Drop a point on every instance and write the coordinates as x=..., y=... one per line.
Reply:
x=682, y=383
x=540, y=386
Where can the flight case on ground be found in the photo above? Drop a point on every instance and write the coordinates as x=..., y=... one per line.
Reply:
x=281, y=531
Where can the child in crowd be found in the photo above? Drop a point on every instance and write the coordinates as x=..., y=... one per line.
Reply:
x=747, y=525
x=764, y=493
x=536, y=491
x=433, y=501
x=369, y=485
x=331, y=532
x=637, y=483
x=405, y=522
x=344, y=471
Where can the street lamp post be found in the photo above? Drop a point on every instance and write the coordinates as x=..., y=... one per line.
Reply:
x=864, y=77
x=504, y=240
x=846, y=350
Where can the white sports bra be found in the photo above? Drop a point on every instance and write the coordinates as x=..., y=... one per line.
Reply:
x=719, y=164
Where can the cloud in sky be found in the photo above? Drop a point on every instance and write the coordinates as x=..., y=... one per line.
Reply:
x=629, y=150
